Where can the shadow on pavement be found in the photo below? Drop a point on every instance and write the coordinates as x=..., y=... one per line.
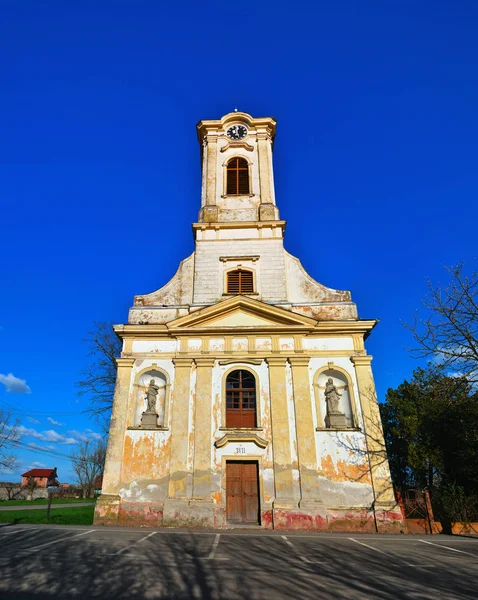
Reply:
x=176, y=566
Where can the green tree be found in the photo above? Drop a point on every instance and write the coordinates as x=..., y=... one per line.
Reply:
x=431, y=431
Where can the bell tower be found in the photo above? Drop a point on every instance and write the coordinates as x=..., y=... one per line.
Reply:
x=237, y=173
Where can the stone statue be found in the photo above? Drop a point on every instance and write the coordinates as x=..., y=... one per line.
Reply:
x=334, y=418
x=149, y=419
x=332, y=397
x=151, y=394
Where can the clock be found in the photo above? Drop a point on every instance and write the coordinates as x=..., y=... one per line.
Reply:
x=236, y=132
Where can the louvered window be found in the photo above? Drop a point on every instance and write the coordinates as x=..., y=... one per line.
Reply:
x=240, y=282
x=241, y=399
x=237, y=177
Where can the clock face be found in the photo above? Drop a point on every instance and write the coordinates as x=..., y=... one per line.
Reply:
x=236, y=132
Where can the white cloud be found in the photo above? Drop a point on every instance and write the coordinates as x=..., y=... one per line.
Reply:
x=53, y=422
x=15, y=385
x=49, y=435
x=32, y=420
x=35, y=464
x=85, y=436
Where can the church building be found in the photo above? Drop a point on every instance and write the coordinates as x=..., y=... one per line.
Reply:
x=244, y=394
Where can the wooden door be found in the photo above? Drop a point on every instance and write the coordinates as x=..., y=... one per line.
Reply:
x=242, y=492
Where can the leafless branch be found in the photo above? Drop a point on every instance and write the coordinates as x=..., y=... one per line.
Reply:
x=449, y=332
x=99, y=376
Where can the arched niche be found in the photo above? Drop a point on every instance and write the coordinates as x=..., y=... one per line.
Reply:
x=161, y=407
x=343, y=383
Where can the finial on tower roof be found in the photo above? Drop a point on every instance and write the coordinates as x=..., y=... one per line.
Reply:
x=235, y=109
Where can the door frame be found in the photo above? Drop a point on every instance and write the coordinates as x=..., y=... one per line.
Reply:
x=260, y=492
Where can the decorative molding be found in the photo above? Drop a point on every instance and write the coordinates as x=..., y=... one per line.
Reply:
x=124, y=362
x=205, y=361
x=230, y=258
x=139, y=428
x=232, y=361
x=241, y=437
x=238, y=144
x=299, y=361
x=363, y=360
x=235, y=429
x=338, y=429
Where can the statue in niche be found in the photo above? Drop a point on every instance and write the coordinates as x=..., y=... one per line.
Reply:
x=149, y=419
x=332, y=396
x=151, y=395
x=334, y=418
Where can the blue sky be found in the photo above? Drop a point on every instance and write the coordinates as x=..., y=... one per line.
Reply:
x=375, y=165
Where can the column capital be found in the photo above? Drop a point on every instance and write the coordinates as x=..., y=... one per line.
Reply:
x=205, y=361
x=124, y=362
x=363, y=360
x=182, y=362
x=276, y=361
x=299, y=361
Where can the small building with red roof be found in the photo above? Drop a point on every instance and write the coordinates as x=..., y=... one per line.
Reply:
x=41, y=476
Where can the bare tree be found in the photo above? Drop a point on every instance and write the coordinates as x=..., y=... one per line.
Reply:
x=99, y=377
x=12, y=489
x=88, y=462
x=31, y=486
x=8, y=435
x=449, y=332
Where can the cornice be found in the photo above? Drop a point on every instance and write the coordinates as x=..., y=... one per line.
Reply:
x=241, y=437
x=205, y=361
x=324, y=328
x=254, y=125
x=239, y=225
x=299, y=361
x=363, y=360
x=124, y=362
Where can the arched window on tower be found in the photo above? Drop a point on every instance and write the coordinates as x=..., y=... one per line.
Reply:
x=241, y=399
x=237, y=177
x=240, y=281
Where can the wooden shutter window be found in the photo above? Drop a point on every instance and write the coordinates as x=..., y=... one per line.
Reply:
x=237, y=182
x=240, y=282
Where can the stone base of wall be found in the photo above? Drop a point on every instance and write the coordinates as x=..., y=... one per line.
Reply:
x=22, y=493
x=205, y=515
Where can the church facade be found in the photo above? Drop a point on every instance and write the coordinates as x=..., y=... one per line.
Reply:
x=244, y=393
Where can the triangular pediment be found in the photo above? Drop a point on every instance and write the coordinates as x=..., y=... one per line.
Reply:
x=241, y=312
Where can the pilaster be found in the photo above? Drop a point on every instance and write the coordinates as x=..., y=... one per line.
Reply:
x=211, y=175
x=265, y=170
x=309, y=481
x=280, y=433
x=384, y=497
x=114, y=453
x=179, y=428
x=202, y=430
x=107, y=508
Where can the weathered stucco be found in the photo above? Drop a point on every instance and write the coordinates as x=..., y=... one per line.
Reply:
x=292, y=333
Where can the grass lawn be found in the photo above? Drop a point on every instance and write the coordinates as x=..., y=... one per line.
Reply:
x=82, y=515
x=41, y=501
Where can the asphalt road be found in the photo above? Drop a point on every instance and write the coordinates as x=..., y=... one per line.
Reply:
x=44, y=506
x=88, y=562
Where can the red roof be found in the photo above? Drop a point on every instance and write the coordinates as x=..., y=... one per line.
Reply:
x=38, y=473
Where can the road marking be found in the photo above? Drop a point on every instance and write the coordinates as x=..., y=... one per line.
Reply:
x=301, y=556
x=133, y=544
x=368, y=546
x=448, y=548
x=20, y=530
x=68, y=537
x=212, y=554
